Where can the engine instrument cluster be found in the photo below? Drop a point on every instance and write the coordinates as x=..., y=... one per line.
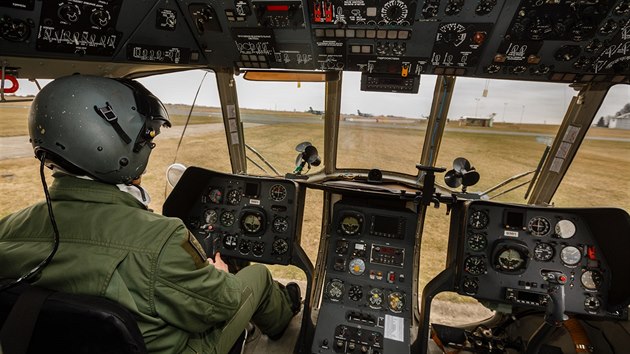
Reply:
x=508, y=250
x=250, y=218
x=367, y=296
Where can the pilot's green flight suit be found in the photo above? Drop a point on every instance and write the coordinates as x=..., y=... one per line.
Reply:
x=112, y=246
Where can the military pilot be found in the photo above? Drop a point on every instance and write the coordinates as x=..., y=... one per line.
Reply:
x=97, y=134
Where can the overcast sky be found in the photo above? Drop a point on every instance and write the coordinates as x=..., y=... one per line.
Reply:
x=526, y=102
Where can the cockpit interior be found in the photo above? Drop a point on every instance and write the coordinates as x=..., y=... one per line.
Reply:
x=354, y=216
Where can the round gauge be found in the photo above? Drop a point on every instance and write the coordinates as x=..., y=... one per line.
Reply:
x=69, y=12
x=592, y=304
x=356, y=266
x=215, y=195
x=234, y=197
x=592, y=279
x=475, y=265
x=244, y=246
x=375, y=298
x=280, y=224
x=571, y=255
x=334, y=290
x=565, y=229
x=477, y=242
x=277, y=192
x=258, y=248
x=470, y=287
x=396, y=301
x=227, y=218
x=100, y=17
x=251, y=222
x=279, y=246
x=539, y=226
x=543, y=252
x=211, y=216
x=350, y=225
x=510, y=260
x=355, y=293
x=478, y=219
x=230, y=242
x=394, y=11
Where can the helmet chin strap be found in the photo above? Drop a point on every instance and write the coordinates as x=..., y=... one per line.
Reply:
x=38, y=269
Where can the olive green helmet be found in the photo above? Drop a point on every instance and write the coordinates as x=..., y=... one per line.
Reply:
x=96, y=126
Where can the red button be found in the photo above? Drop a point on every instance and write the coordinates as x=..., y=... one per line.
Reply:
x=562, y=278
x=590, y=252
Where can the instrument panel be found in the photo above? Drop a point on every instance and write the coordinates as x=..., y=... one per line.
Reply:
x=508, y=253
x=391, y=42
x=367, y=296
x=251, y=218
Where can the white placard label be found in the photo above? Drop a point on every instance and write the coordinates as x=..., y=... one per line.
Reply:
x=254, y=202
x=394, y=328
x=509, y=233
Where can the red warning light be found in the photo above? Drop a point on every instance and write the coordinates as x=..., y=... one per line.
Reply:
x=590, y=252
x=277, y=7
x=479, y=37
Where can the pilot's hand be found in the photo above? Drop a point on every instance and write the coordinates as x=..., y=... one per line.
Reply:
x=218, y=262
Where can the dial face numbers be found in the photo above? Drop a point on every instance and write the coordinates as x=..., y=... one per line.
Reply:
x=234, y=197
x=592, y=303
x=478, y=219
x=279, y=246
x=539, y=226
x=592, y=279
x=396, y=301
x=280, y=224
x=510, y=260
x=475, y=265
x=211, y=216
x=258, y=248
x=334, y=290
x=355, y=293
x=470, y=287
x=571, y=255
x=565, y=229
x=215, y=195
x=227, y=218
x=543, y=252
x=350, y=225
x=251, y=223
x=244, y=246
x=277, y=192
x=375, y=298
x=394, y=11
x=356, y=266
x=477, y=242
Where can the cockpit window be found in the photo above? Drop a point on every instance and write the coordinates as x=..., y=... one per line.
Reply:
x=382, y=130
x=277, y=117
x=503, y=129
x=203, y=142
x=598, y=176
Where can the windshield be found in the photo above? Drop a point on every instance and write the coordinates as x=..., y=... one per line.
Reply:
x=277, y=117
x=382, y=130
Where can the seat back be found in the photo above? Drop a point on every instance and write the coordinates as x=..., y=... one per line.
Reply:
x=69, y=323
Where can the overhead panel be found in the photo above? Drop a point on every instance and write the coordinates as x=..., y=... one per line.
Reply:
x=391, y=42
x=162, y=37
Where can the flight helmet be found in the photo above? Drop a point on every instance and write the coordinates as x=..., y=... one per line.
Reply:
x=95, y=126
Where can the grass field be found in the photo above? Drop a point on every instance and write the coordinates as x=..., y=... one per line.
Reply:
x=597, y=178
